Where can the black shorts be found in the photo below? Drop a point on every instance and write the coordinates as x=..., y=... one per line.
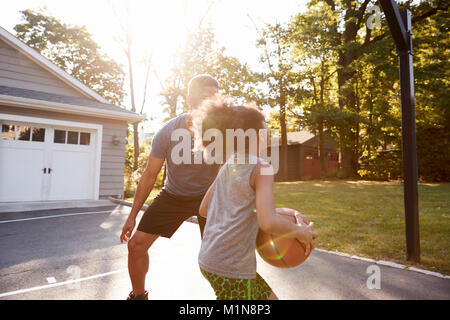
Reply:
x=167, y=212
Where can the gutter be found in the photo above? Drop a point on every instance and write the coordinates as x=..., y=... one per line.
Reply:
x=69, y=108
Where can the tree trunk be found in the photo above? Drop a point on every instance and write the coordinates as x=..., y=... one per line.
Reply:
x=284, y=142
x=323, y=169
x=136, y=145
x=345, y=150
x=133, y=108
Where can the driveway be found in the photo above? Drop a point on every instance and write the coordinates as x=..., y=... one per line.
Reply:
x=76, y=254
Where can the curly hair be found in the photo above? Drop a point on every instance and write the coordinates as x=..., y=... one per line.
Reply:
x=218, y=113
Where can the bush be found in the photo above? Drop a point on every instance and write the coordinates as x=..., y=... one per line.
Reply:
x=433, y=153
x=433, y=158
x=342, y=174
x=331, y=174
x=131, y=181
x=132, y=177
x=381, y=166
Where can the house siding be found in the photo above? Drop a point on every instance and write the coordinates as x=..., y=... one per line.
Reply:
x=18, y=71
x=113, y=157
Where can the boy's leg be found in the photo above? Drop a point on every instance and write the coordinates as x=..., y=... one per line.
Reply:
x=138, y=259
x=239, y=289
x=273, y=296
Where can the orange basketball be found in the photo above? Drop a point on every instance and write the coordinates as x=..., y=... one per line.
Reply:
x=282, y=251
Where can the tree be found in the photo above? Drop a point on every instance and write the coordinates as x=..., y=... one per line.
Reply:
x=202, y=54
x=313, y=53
x=125, y=39
x=351, y=38
x=278, y=78
x=72, y=49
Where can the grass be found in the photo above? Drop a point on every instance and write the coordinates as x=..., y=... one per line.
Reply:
x=367, y=218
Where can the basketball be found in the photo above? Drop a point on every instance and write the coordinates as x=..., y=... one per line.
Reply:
x=282, y=251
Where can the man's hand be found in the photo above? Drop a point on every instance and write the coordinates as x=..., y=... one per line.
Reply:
x=144, y=188
x=127, y=229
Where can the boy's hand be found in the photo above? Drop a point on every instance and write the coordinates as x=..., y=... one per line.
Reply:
x=306, y=236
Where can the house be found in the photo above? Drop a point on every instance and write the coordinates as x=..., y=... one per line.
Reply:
x=303, y=156
x=59, y=139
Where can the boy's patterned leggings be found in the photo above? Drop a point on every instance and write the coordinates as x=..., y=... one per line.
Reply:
x=238, y=289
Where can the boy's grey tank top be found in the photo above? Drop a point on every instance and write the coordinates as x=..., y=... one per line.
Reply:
x=229, y=239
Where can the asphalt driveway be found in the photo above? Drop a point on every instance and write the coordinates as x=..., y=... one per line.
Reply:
x=76, y=254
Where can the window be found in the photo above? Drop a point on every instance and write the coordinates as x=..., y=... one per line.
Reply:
x=8, y=132
x=85, y=138
x=60, y=136
x=23, y=133
x=38, y=135
x=308, y=156
x=333, y=157
x=72, y=137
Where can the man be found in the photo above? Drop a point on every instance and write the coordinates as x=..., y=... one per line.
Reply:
x=181, y=196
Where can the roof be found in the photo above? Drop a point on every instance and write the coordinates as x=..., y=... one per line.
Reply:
x=66, y=104
x=49, y=66
x=297, y=137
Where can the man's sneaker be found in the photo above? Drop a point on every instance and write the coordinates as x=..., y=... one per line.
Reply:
x=143, y=296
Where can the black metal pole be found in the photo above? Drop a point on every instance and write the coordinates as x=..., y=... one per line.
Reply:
x=410, y=174
x=400, y=25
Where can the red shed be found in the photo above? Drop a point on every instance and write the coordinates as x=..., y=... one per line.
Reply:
x=303, y=156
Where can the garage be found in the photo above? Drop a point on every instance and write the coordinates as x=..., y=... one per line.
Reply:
x=48, y=161
x=60, y=140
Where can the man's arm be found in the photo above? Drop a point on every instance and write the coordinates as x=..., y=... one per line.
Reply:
x=144, y=188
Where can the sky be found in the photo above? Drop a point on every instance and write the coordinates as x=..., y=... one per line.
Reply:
x=159, y=28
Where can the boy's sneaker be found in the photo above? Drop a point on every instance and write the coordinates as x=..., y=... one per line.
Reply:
x=143, y=296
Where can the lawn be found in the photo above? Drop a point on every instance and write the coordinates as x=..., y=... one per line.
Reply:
x=367, y=218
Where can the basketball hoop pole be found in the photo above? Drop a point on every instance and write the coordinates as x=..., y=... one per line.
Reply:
x=400, y=26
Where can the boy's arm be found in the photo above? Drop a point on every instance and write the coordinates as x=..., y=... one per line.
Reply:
x=271, y=222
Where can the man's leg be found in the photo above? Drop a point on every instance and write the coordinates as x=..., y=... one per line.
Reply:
x=201, y=224
x=138, y=259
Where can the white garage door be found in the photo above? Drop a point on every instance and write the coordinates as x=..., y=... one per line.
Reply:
x=46, y=162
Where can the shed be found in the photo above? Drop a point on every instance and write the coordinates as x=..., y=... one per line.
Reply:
x=303, y=156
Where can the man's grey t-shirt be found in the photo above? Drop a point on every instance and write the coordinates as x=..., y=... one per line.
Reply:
x=184, y=179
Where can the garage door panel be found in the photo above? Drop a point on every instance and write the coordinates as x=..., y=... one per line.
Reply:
x=21, y=174
x=68, y=149
x=71, y=175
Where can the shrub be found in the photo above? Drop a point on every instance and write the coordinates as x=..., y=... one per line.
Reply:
x=433, y=153
x=331, y=174
x=381, y=166
x=342, y=174
x=132, y=177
